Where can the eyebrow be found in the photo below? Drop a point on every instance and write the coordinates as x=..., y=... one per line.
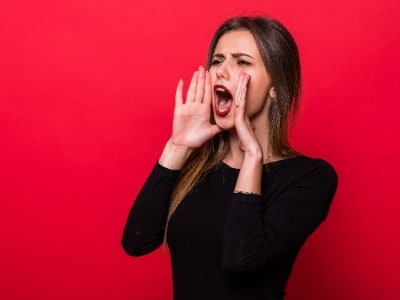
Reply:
x=235, y=55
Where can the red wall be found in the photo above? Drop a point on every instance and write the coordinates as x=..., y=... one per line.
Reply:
x=86, y=100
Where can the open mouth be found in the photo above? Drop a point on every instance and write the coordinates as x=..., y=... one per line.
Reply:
x=223, y=100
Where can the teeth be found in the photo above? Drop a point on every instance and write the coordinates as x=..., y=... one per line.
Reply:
x=220, y=90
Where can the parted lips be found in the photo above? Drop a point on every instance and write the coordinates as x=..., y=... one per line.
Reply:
x=224, y=100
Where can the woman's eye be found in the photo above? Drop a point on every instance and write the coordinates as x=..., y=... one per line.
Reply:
x=215, y=62
x=243, y=62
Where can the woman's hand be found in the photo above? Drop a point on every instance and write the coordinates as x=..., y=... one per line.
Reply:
x=248, y=141
x=191, y=125
x=249, y=179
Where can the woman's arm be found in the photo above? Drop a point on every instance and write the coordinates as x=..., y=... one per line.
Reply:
x=255, y=236
x=145, y=226
x=249, y=179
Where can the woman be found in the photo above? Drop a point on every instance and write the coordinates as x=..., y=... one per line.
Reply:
x=234, y=201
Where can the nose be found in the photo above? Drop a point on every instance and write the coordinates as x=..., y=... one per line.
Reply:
x=222, y=71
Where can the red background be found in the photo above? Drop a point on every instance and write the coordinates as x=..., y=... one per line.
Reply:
x=86, y=91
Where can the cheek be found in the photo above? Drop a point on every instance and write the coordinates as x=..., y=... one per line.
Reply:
x=256, y=94
x=260, y=82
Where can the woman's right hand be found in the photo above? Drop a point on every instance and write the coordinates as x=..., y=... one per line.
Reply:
x=191, y=125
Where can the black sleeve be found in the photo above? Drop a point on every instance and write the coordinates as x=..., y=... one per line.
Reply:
x=145, y=226
x=255, y=236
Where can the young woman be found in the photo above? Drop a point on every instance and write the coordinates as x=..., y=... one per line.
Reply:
x=233, y=201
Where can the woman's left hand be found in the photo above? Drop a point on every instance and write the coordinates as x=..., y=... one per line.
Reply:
x=248, y=141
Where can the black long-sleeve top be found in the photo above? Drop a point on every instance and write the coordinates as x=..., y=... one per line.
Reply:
x=227, y=245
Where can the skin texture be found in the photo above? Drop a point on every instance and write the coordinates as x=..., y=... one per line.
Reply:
x=237, y=65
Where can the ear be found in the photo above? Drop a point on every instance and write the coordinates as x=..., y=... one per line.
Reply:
x=272, y=93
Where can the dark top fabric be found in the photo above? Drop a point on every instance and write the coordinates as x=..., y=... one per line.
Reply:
x=227, y=245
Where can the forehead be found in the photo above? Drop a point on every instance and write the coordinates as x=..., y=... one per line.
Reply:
x=238, y=41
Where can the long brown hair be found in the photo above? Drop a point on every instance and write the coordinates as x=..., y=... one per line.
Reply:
x=281, y=58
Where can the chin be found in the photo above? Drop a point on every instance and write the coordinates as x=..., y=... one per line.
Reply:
x=225, y=123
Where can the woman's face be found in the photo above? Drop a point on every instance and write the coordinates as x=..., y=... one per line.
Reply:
x=237, y=51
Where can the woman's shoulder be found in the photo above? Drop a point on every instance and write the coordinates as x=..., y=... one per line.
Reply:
x=302, y=166
x=300, y=177
x=306, y=162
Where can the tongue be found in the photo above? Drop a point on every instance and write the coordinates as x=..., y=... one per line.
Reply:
x=223, y=106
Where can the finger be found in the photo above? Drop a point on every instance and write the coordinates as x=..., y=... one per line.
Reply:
x=192, y=88
x=241, y=95
x=200, y=86
x=243, y=92
x=207, y=89
x=178, y=94
x=239, y=89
